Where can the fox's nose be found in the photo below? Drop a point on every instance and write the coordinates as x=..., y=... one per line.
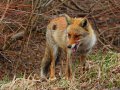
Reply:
x=69, y=46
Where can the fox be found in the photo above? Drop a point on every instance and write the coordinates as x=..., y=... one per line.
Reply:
x=70, y=35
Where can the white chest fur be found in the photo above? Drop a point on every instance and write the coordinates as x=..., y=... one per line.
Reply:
x=92, y=41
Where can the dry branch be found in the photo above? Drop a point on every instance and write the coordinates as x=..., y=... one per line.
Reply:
x=13, y=39
x=103, y=13
x=20, y=35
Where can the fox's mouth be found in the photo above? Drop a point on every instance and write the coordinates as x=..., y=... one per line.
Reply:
x=74, y=49
x=76, y=46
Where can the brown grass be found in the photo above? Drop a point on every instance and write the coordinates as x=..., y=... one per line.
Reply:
x=103, y=73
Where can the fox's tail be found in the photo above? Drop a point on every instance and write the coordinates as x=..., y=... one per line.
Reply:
x=46, y=62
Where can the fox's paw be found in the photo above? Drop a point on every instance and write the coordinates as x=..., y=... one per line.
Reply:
x=52, y=79
x=67, y=78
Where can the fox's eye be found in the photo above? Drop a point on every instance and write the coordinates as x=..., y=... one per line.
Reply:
x=69, y=36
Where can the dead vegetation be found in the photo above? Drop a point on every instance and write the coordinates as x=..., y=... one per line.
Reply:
x=102, y=74
x=22, y=42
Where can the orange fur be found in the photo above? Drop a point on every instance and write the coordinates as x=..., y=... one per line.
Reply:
x=57, y=22
x=69, y=34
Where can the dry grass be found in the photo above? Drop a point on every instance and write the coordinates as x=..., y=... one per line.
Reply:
x=103, y=74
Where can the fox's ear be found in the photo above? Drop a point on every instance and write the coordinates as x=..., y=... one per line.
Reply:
x=68, y=19
x=84, y=23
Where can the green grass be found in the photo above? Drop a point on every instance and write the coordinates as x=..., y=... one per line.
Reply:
x=107, y=62
x=100, y=75
x=5, y=80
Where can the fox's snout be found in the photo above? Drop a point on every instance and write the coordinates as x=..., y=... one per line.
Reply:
x=69, y=46
x=72, y=46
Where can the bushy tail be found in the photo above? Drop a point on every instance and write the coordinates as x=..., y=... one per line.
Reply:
x=46, y=62
x=45, y=67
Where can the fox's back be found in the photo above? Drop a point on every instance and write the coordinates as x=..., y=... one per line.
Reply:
x=58, y=23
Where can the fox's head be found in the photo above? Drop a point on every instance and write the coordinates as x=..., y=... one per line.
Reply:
x=78, y=29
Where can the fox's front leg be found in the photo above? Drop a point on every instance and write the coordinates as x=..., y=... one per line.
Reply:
x=83, y=62
x=68, y=70
x=52, y=68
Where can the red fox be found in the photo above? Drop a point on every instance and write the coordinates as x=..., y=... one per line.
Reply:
x=71, y=35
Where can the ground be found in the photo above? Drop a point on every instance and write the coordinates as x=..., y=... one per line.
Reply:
x=20, y=69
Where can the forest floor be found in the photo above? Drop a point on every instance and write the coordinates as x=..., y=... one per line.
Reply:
x=20, y=69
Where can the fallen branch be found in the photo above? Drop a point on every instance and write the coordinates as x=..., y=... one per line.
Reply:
x=12, y=39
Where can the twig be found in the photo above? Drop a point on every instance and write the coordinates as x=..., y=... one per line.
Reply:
x=7, y=6
x=68, y=5
x=79, y=7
